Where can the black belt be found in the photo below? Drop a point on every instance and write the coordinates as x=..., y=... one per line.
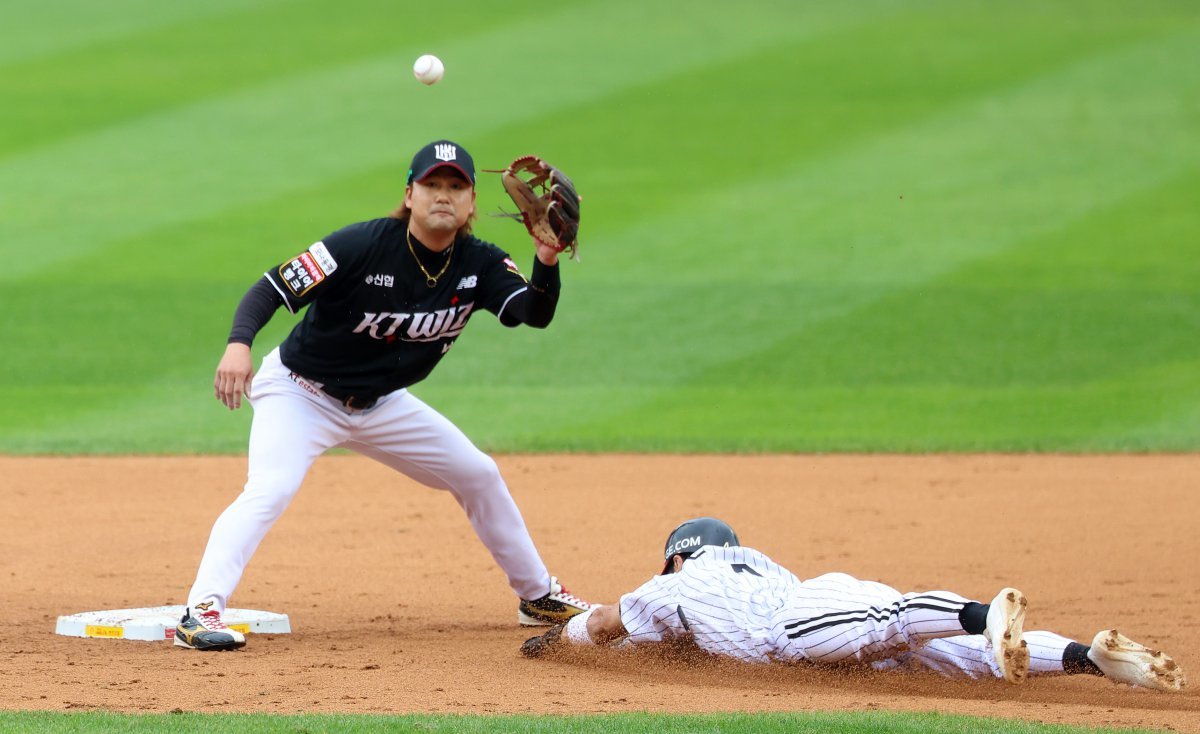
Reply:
x=356, y=403
x=353, y=402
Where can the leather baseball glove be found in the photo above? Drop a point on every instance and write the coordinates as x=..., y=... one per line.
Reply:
x=536, y=647
x=548, y=202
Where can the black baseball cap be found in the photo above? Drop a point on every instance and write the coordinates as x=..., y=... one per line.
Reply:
x=438, y=154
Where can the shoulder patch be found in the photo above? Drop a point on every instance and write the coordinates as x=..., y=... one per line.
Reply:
x=321, y=254
x=307, y=269
x=512, y=266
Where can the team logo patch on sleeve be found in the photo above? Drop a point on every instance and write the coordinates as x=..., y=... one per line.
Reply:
x=307, y=269
x=512, y=266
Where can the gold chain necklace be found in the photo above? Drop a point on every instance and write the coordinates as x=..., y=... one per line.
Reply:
x=430, y=280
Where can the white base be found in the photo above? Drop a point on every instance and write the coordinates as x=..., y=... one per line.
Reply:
x=158, y=623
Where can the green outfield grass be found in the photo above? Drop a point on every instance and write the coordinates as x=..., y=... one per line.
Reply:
x=870, y=226
x=943, y=225
x=829, y=723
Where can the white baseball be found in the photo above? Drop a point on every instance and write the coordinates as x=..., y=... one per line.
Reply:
x=428, y=69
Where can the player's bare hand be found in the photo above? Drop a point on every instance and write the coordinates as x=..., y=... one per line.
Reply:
x=234, y=374
x=547, y=254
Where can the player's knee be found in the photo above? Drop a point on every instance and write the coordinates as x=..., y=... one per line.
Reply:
x=482, y=474
x=268, y=495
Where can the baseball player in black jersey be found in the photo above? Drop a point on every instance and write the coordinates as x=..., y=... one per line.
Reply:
x=733, y=601
x=383, y=302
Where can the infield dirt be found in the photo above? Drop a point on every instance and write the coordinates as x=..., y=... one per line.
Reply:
x=397, y=608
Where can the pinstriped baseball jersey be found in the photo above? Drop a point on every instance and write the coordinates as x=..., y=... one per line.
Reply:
x=726, y=599
x=739, y=603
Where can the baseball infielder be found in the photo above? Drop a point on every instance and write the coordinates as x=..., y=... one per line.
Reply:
x=386, y=299
x=735, y=602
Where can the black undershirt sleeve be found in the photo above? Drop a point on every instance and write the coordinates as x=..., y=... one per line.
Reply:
x=535, y=306
x=257, y=307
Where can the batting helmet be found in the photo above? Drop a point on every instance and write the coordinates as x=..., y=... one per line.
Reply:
x=692, y=534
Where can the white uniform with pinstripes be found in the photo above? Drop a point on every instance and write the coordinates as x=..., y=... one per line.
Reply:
x=739, y=603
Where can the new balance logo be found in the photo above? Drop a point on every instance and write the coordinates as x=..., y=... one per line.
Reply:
x=468, y=282
x=445, y=152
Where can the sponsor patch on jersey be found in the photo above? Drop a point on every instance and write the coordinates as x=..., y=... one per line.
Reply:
x=321, y=254
x=307, y=269
x=512, y=266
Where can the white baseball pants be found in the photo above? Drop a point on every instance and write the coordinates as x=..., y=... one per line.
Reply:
x=837, y=617
x=970, y=656
x=294, y=423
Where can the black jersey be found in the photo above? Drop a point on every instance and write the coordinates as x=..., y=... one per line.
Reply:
x=374, y=324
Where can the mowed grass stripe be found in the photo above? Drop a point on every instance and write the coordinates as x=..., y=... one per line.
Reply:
x=646, y=152
x=34, y=29
x=989, y=188
x=711, y=257
x=1073, y=340
x=919, y=200
x=629, y=124
x=260, y=143
x=129, y=389
x=636, y=328
x=161, y=68
x=976, y=180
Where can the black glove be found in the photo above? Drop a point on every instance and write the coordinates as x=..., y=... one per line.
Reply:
x=537, y=646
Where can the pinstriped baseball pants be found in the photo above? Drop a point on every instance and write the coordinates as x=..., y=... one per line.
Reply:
x=838, y=617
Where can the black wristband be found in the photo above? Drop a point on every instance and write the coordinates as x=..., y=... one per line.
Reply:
x=545, y=278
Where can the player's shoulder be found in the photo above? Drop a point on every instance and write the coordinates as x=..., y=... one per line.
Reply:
x=482, y=248
x=655, y=585
x=738, y=554
x=486, y=258
x=367, y=232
